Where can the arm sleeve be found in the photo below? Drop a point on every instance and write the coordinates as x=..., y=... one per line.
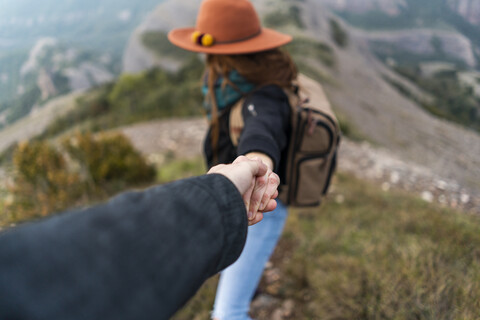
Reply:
x=266, y=115
x=140, y=256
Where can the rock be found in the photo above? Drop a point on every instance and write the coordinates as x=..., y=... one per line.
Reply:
x=394, y=177
x=288, y=307
x=277, y=314
x=427, y=196
x=464, y=198
x=442, y=199
x=440, y=184
x=263, y=301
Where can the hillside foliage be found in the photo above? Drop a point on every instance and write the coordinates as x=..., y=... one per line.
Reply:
x=49, y=179
x=132, y=98
x=453, y=100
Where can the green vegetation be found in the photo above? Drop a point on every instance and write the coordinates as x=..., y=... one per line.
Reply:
x=308, y=53
x=133, y=98
x=282, y=18
x=301, y=48
x=21, y=106
x=158, y=42
x=369, y=254
x=453, y=100
x=347, y=128
x=86, y=169
x=173, y=169
x=338, y=34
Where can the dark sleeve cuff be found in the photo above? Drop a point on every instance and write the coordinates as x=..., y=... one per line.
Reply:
x=259, y=143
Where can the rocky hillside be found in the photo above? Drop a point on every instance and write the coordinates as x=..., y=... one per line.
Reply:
x=432, y=29
x=469, y=9
x=51, y=69
x=358, y=89
x=389, y=7
x=49, y=48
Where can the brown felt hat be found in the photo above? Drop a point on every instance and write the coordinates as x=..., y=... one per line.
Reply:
x=227, y=27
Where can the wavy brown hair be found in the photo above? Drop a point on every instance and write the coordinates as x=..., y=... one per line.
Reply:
x=260, y=68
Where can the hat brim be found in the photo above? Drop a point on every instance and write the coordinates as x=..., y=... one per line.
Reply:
x=266, y=40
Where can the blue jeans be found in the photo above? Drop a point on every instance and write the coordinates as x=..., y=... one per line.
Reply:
x=239, y=281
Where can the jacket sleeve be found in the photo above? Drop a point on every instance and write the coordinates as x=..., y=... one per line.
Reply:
x=266, y=115
x=140, y=256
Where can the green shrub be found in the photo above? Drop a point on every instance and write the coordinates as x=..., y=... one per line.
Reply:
x=109, y=158
x=301, y=48
x=453, y=100
x=42, y=183
x=278, y=19
x=338, y=34
x=158, y=42
x=47, y=181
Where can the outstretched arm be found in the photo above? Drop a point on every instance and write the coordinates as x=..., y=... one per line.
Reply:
x=142, y=255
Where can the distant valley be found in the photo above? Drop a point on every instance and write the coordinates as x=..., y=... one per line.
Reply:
x=49, y=48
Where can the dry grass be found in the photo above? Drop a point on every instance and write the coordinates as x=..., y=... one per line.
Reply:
x=369, y=254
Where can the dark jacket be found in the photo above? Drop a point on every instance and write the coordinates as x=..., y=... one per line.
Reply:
x=140, y=256
x=267, y=129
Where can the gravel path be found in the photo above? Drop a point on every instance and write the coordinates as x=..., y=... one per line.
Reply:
x=184, y=138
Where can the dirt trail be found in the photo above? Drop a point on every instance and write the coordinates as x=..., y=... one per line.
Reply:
x=183, y=138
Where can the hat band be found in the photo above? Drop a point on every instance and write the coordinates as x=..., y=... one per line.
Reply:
x=241, y=39
x=207, y=40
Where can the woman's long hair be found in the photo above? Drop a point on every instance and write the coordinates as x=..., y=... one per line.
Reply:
x=261, y=68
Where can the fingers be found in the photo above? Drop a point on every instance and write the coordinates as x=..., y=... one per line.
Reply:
x=270, y=190
x=257, y=194
x=255, y=181
x=247, y=197
x=271, y=205
x=258, y=218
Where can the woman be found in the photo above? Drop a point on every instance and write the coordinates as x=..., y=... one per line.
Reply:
x=243, y=61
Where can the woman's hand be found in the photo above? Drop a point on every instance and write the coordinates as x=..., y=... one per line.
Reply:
x=265, y=187
x=244, y=173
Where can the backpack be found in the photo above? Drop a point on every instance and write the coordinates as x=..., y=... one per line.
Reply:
x=312, y=153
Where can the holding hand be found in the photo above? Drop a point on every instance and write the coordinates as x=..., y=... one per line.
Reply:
x=256, y=183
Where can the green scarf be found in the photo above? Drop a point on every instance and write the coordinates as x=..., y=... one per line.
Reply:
x=226, y=96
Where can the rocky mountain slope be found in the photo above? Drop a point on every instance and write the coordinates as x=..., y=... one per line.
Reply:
x=357, y=89
x=468, y=9
x=432, y=29
x=49, y=48
x=389, y=7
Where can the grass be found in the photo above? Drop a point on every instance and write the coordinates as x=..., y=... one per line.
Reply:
x=348, y=129
x=173, y=169
x=364, y=254
x=370, y=254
